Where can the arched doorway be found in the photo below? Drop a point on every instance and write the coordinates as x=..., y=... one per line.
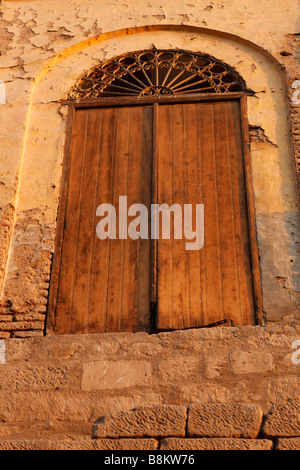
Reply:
x=155, y=127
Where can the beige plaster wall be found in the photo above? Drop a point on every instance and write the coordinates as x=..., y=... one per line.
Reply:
x=48, y=45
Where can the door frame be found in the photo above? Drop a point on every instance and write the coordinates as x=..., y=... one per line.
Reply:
x=139, y=101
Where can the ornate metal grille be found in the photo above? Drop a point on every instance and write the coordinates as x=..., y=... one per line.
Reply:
x=158, y=72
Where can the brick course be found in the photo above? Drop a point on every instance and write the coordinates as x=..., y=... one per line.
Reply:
x=216, y=444
x=238, y=427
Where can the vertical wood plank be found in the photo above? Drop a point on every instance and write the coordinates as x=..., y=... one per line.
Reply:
x=154, y=200
x=164, y=195
x=196, y=260
x=120, y=182
x=180, y=271
x=144, y=254
x=86, y=228
x=227, y=220
x=213, y=268
x=242, y=238
x=136, y=264
x=101, y=248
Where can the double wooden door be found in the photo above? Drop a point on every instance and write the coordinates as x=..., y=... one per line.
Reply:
x=173, y=153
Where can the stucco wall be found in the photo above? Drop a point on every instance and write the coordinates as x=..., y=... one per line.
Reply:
x=47, y=47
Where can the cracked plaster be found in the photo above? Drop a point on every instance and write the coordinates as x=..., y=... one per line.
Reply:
x=45, y=49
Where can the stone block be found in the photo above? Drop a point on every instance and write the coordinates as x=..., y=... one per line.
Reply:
x=215, y=444
x=283, y=420
x=104, y=444
x=4, y=334
x=224, y=420
x=155, y=421
x=178, y=370
x=283, y=389
x=108, y=375
x=32, y=378
x=24, y=444
x=243, y=362
x=292, y=443
x=79, y=444
x=22, y=325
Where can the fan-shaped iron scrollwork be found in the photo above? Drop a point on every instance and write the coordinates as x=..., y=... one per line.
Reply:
x=158, y=72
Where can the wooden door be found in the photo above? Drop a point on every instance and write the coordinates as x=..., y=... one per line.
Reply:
x=185, y=153
x=200, y=161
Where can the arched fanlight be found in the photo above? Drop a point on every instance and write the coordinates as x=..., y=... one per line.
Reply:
x=158, y=72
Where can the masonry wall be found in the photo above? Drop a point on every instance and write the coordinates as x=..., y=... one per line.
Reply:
x=78, y=391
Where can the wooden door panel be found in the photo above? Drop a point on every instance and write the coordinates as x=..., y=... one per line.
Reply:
x=104, y=285
x=199, y=154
